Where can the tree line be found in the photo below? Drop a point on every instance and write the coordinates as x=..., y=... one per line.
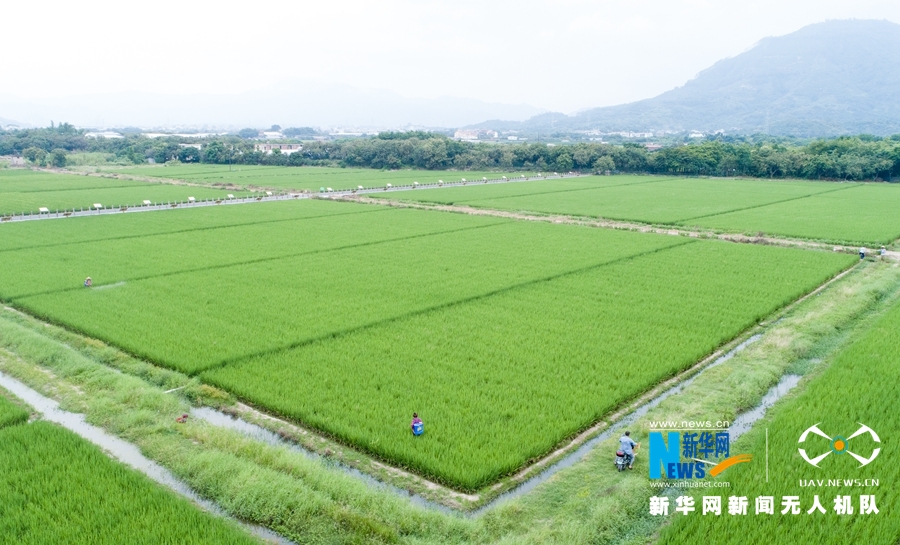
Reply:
x=860, y=157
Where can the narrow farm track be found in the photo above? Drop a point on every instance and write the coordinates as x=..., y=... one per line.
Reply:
x=621, y=225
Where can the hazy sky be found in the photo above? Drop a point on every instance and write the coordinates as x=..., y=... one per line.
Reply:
x=563, y=54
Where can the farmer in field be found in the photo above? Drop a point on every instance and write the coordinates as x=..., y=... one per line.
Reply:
x=627, y=446
x=883, y=250
x=88, y=282
x=417, y=426
x=862, y=253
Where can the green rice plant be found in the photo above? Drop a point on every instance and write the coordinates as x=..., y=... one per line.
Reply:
x=63, y=266
x=10, y=413
x=64, y=232
x=502, y=379
x=199, y=318
x=836, y=212
x=865, y=214
x=57, y=488
x=32, y=181
x=666, y=200
x=856, y=388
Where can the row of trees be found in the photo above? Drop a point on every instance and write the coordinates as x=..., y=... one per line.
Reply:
x=846, y=158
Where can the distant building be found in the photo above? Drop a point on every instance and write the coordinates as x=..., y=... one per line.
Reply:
x=696, y=134
x=183, y=135
x=103, y=134
x=195, y=146
x=629, y=134
x=653, y=147
x=285, y=149
x=272, y=135
x=475, y=134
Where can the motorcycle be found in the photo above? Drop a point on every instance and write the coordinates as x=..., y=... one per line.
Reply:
x=623, y=460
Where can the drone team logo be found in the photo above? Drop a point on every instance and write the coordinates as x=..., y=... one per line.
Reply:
x=839, y=445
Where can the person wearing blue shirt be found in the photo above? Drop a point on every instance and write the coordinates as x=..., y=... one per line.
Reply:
x=627, y=446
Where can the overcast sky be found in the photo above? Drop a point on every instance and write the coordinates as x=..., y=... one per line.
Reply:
x=563, y=55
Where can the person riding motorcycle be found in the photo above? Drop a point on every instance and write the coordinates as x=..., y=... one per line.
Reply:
x=627, y=446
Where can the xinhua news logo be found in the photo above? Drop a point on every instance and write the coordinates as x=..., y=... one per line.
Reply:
x=840, y=445
x=691, y=454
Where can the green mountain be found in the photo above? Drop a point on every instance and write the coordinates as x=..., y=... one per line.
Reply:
x=826, y=79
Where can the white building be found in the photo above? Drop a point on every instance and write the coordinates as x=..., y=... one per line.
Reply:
x=475, y=134
x=286, y=149
x=103, y=134
x=629, y=134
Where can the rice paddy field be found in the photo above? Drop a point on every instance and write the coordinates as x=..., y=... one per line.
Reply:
x=10, y=412
x=866, y=371
x=28, y=191
x=57, y=488
x=308, y=178
x=347, y=317
x=832, y=211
